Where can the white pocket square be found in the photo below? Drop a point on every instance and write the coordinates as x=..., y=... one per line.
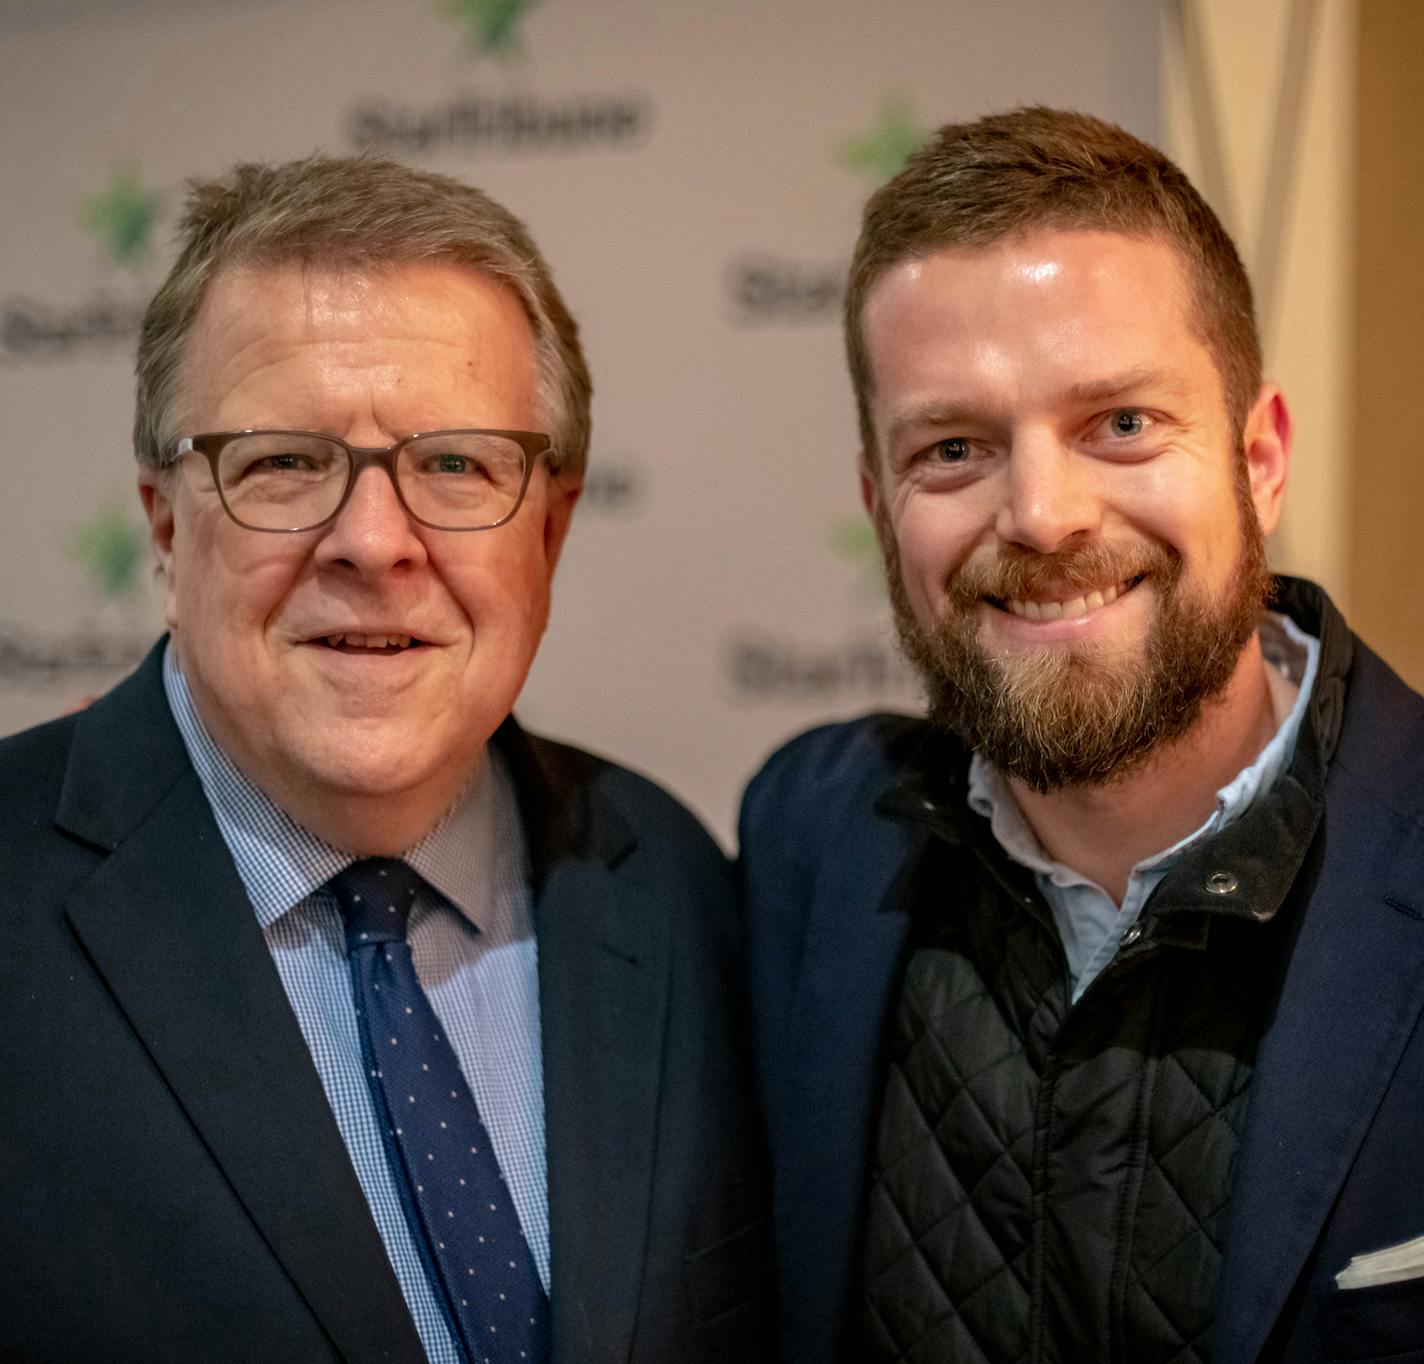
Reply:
x=1390, y=1265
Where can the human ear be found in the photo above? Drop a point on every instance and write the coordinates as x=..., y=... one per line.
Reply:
x=869, y=488
x=155, y=490
x=562, y=494
x=1266, y=441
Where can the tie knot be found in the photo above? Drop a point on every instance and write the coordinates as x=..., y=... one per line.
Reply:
x=375, y=895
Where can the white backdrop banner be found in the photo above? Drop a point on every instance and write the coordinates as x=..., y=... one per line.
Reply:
x=694, y=172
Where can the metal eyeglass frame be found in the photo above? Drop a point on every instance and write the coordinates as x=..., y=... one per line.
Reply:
x=210, y=445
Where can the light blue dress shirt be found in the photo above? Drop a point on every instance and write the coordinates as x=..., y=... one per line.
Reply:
x=1089, y=921
x=474, y=951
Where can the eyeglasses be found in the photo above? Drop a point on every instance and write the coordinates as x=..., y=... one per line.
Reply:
x=300, y=480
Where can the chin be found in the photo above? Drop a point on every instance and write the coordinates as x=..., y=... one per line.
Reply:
x=353, y=763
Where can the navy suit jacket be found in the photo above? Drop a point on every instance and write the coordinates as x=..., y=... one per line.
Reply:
x=1332, y=1157
x=172, y=1182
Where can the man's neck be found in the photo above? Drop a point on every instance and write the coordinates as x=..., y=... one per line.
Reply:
x=1102, y=832
x=387, y=825
x=383, y=823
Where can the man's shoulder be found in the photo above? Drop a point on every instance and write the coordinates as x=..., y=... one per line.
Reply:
x=32, y=767
x=88, y=779
x=1381, y=744
x=1367, y=721
x=596, y=790
x=836, y=759
x=828, y=777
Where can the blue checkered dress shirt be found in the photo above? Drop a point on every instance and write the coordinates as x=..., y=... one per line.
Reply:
x=474, y=951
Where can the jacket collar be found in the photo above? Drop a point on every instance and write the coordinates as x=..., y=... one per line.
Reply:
x=561, y=820
x=604, y=964
x=184, y=956
x=166, y=924
x=1263, y=850
x=1353, y=992
x=1324, y=1061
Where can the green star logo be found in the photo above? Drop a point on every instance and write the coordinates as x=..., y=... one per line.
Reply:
x=852, y=540
x=492, y=25
x=882, y=150
x=110, y=548
x=122, y=217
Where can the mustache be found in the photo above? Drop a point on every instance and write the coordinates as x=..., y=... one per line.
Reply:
x=1020, y=573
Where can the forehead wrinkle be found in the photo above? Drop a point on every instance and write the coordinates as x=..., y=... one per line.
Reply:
x=1138, y=379
x=931, y=413
x=354, y=325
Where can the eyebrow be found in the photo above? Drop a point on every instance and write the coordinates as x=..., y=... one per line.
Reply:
x=1105, y=390
x=1129, y=381
x=930, y=414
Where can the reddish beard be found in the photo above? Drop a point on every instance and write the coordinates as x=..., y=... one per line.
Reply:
x=1065, y=716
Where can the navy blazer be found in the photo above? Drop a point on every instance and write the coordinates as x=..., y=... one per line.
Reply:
x=173, y=1185
x=1332, y=1155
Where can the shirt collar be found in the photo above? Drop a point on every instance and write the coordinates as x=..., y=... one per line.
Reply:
x=1292, y=655
x=281, y=863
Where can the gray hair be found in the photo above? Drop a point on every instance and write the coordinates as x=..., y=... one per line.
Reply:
x=360, y=213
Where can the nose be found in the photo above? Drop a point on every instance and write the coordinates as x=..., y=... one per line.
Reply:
x=1049, y=494
x=373, y=533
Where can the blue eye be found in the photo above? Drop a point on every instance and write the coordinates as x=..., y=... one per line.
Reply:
x=1127, y=423
x=952, y=450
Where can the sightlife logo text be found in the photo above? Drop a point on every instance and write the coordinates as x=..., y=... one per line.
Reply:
x=119, y=220
x=765, y=288
x=866, y=666
x=510, y=123
x=109, y=547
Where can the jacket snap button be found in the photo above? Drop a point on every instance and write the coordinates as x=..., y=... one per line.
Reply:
x=1132, y=935
x=1221, y=883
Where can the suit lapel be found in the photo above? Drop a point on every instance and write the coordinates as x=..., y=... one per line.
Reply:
x=1352, y=997
x=854, y=946
x=603, y=996
x=167, y=925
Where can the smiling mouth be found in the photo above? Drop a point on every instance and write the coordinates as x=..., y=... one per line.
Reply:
x=1068, y=609
x=348, y=643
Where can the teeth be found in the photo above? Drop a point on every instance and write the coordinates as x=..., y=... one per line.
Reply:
x=369, y=641
x=1063, y=610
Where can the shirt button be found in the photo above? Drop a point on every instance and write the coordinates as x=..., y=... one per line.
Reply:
x=1221, y=883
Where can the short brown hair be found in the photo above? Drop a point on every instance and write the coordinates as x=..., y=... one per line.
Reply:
x=976, y=183
x=361, y=213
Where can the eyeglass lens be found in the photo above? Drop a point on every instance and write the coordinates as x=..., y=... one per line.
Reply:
x=454, y=480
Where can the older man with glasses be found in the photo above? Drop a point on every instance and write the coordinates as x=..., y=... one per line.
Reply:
x=341, y=1018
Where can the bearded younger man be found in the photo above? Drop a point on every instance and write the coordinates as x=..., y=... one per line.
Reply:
x=341, y=1018
x=1089, y=1008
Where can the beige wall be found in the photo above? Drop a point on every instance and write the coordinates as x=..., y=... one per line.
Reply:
x=1327, y=89
x=1386, y=522
x=696, y=175
x=1226, y=66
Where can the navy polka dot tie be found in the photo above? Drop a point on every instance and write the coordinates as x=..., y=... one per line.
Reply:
x=460, y=1212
